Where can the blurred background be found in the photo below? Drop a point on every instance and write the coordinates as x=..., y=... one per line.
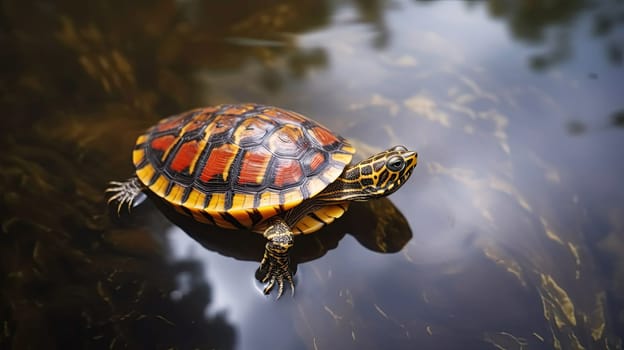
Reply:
x=509, y=234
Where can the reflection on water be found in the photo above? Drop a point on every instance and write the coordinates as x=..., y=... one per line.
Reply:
x=516, y=212
x=553, y=24
x=235, y=292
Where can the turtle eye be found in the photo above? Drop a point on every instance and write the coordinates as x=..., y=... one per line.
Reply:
x=395, y=163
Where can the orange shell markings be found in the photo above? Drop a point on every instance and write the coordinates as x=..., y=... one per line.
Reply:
x=184, y=157
x=239, y=159
x=219, y=162
x=254, y=167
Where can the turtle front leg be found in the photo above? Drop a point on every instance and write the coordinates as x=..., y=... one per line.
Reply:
x=275, y=265
x=124, y=193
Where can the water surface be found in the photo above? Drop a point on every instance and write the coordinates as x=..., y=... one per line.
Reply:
x=509, y=234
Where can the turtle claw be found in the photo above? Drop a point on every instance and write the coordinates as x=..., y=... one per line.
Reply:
x=124, y=193
x=276, y=273
x=275, y=270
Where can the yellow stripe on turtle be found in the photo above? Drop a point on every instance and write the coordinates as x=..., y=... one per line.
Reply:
x=314, y=183
x=195, y=199
x=348, y=149
x=332, y=173
x=316, y=220
x=268, y=212
x=201, y=146
x=176, y=194
x=307, y=225
x=141, y=139
x=241, y=200
x=228, y=164
x=292, y=198
x=216, y=203
x=146, y=173
x=268, y=199
x=342, y=158
x=138, y=156
x=160, y=185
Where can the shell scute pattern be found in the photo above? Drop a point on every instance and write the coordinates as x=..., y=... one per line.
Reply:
x=252, y=131
x=236, y=165
x=288, y=141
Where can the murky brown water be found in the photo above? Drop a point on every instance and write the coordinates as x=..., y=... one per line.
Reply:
x=509, y=235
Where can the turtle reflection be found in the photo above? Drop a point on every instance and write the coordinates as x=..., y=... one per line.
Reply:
x=377, y=225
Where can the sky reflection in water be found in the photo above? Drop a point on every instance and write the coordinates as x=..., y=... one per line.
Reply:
x=513, y=235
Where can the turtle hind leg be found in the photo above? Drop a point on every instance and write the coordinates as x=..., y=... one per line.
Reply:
x=124, y=193
x=275, y=265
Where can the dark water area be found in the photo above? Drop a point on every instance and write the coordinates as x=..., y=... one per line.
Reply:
x=509, y=234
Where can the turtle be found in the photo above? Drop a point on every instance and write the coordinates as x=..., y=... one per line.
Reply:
x=260, y=168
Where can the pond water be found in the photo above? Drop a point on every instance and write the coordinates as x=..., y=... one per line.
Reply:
x=509, y=234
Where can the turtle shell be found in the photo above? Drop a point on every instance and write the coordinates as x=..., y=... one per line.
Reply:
x=237, y=165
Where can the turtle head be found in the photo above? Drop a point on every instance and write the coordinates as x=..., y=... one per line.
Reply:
x=384, y=173
x=378, y=176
